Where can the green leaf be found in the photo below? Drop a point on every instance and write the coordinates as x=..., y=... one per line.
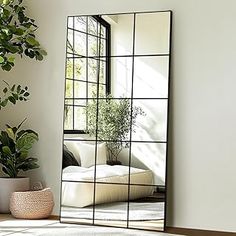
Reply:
x=26, y=141
x=21, y=123
x=43, y=52
x=1, y=59
x=29, y=164
x=13, y=87
x=26, y=94
x=8, y=126
x=11, y=59
x=19, y=31
x=12, y=28
x=24, y=154
x=6, y=31
x=6, y=67
x=5, y=140
x=32, y=41
x=12, y=99
x=5, y=14
x=28, y=25
x=8, y=172
x=39, y=57
x=5, y=2
x=21, y=17
x=11, y=48
x=10, y=133
x=14, y=130
x=18, y=88
x=5, y=90
x=29, y=53
x=6, y=150
x=4, y=102
x=15, y=96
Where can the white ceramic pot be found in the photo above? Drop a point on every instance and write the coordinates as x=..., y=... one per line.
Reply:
x=7, y=187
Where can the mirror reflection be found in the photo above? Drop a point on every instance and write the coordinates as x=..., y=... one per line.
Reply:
x=115, y=120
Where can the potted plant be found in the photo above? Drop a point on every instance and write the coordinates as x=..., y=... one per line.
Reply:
x=17, y=37
x=15, y=144
x=17, y=34
x=113, y=123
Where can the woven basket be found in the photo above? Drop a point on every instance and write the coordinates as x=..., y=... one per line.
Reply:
x=32, y=204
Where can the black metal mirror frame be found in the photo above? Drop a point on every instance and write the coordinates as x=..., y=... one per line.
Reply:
x=132, y=99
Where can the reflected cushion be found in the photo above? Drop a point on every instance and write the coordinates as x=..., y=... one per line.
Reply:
x=73, y=148
x=87, y=154
x=68, y=158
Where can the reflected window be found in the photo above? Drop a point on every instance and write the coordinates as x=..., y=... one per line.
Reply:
x=87, y=67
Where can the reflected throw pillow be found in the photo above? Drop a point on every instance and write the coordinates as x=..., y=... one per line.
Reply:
x=73, y=147
x=87, y=154
x=68, y=158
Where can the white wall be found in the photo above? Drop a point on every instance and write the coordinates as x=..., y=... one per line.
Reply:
x=150, y=81
x=202, y=159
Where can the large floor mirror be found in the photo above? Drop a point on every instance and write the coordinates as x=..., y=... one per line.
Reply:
x=116, y=120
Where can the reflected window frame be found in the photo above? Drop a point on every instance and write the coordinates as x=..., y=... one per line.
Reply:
x=71, y=55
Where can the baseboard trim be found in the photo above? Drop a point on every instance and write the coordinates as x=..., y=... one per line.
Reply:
x=196, y=232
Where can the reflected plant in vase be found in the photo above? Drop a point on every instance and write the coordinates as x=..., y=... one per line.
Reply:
x=113, y=124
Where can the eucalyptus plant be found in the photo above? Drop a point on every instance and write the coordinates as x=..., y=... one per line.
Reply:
x=113, y=122
x=13, y=94
x=15, y=145
x=17, y=34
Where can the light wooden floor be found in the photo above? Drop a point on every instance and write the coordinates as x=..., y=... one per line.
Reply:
x=51, y=227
